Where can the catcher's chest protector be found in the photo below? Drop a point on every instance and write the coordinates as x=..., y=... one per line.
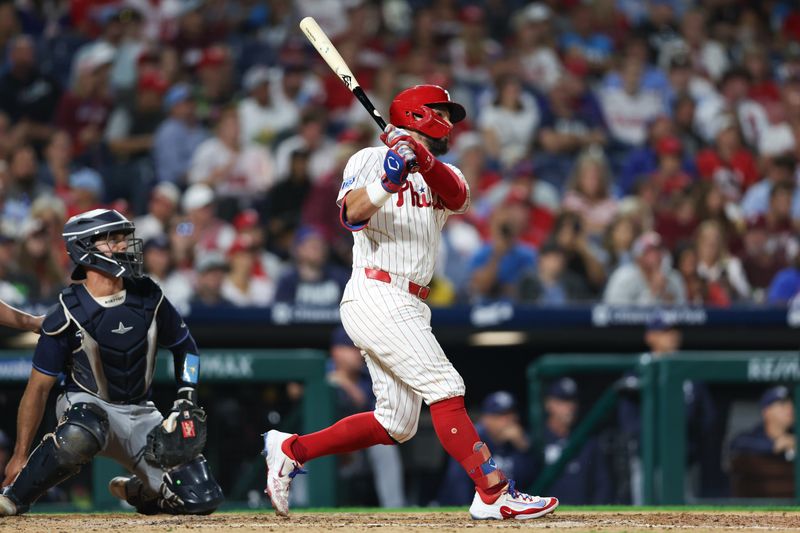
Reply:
x=117, y=354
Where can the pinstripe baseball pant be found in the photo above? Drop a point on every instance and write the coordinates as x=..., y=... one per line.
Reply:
x=393, y=330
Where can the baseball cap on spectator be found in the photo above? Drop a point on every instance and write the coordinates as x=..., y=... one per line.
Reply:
x=168, y=191
x=152, y=80
x=159, y=242
x=536, y=13
x=211, y=261
x=99, y=55
x=776, y=140
x=33, y=226
x=498, y=403
x=212, y=57
x=668, y=146
x=471, y=15
x=107, y=14
x=242, y=243
x=255, y=76
x=246, y=219
x=176, y=94
x=772, y=395
x=563, y=389
x=6, y=238
x=645, y=242
x=197, y=196
x=680, y=60
x=304, y=233
x=88, y=180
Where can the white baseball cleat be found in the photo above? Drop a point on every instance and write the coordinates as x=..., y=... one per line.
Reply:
x=512, y=504
x=7, y=507
x=281, y=470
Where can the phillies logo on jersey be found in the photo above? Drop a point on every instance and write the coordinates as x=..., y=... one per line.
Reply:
x=418, y=198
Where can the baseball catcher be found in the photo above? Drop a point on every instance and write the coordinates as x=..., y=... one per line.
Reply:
x=103, y=336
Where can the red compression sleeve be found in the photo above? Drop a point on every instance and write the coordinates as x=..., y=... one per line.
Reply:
x=347, y=435
x=444, y=182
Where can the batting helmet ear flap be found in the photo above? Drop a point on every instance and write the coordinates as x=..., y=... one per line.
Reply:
x=428, y=122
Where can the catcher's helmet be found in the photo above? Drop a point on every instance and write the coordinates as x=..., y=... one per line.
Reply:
x=81, y=233
x=411, y=109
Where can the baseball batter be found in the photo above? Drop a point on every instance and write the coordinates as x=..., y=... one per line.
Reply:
x=396, y=199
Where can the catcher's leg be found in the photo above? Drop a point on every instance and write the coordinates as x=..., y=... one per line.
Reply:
x=81, y=434
x=189, y=488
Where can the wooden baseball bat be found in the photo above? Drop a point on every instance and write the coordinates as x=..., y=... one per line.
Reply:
x=334, y=60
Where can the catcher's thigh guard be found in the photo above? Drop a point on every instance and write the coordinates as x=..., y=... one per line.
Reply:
x=80, y=435
x=190, y=489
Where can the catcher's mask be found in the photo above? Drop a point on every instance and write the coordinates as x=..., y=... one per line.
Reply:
x=82, y=233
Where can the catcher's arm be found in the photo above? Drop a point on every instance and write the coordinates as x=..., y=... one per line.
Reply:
x=14, y=318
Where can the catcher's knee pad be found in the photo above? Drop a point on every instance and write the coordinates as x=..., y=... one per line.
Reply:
x=80, y=435
x=190, y=489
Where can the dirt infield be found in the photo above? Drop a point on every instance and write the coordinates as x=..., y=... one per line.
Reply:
x=573, y=521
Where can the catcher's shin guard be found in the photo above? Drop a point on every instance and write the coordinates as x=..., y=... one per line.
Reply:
x=190, y=489
x=80, y=435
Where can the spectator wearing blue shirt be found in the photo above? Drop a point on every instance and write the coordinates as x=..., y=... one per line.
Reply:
x=177, y=137
x=585, y=479
x=582, y=43
x=499, y=265
x=785, y=285
x=500, y=429
x=779, y=169
x=312, y=288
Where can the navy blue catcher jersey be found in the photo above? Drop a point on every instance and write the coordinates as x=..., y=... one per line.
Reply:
x=107, y=346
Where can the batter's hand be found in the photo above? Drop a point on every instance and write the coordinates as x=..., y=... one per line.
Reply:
x=396, y=172
x=394, y=137
x=13, y=468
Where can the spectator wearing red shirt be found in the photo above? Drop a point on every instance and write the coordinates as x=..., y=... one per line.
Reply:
x=670, y=177
x=763, y=88
x=678, y=222
x=84, y=110
x=769, y=242
x=728, y=163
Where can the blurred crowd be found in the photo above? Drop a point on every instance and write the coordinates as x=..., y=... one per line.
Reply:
x=635, y=152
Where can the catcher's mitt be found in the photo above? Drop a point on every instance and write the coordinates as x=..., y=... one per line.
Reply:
x=179, y=438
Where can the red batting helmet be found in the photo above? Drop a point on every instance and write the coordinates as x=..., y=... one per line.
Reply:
x=411, y=109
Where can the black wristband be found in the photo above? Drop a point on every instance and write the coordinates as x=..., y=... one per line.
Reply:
x=189, y=394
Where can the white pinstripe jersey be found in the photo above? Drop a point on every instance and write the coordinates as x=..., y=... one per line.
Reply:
x=402, y=238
